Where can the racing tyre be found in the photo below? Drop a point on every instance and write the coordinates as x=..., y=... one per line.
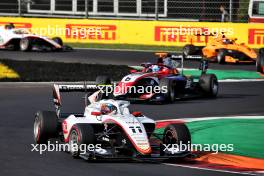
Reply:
x=188, y=50
x=45, y=126
x=176, y=134
x=209, y=84
x=25, y=44
x=58, y=40
x=170, y=94
x=80, y=134
x=221, y=56
x=260, y=61
x=261, y=51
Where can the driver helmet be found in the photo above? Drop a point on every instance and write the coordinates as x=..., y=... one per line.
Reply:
x=9, y=26
x=155, y=69
x=107, y=108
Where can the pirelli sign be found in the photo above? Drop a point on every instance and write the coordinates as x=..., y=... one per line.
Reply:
x=137, y=32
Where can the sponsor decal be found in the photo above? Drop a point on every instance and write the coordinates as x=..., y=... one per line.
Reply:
x=256, y=36
x=181, y=34
x=91, y=32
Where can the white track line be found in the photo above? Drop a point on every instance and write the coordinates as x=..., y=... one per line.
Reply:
x=241, y=80
x=213, y=118
x=215, y=170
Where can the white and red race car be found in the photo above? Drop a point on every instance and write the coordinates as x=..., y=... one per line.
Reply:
x=109, y=124
x=22, y=39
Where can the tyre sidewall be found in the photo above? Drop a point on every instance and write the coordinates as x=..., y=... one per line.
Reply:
x=25, y=44
x=221, y=56
x=48, y=126
x=209, y=85
x=170, y=84
x=85, y=134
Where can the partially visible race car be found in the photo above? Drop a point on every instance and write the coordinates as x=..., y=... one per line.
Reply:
x=22, y=39
x=260, y=61
x=223, y=50
x=108, y=125
x=162, y=75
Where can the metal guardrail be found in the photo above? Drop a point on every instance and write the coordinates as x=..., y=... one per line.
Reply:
x=185, y=10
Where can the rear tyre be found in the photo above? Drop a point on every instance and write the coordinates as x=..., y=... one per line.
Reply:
x=176, y=134
x=80, y=134
x=170, y=94
x=209, y=85
x=260, y=61
x=25, y=44
x=188, y=50
x=45, y=126
x=58, y=40
x=221, y=56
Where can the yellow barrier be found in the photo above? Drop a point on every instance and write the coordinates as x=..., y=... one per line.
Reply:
x=139, y=32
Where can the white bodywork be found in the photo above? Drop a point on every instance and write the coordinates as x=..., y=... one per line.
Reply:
x=131, y=125
x=7, y=35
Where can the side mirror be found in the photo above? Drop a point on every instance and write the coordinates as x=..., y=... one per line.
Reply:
x=96, y=113
x=137, y=114
x=133, y=71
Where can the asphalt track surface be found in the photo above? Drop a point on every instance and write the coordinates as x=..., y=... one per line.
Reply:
x=19, y=103
x=104, y=57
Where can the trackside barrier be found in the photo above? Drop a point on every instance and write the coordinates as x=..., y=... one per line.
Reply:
x=139, y=32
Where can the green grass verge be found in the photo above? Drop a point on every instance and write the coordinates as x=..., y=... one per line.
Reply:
x=126, y=47
x=246, y=135
x=228, y=74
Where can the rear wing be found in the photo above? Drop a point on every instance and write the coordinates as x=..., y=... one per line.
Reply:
x=179, y=57
x=91, y=93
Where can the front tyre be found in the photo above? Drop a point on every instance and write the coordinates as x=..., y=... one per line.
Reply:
x=45, y=126
x=58, y=40
x=25, y=44
x=209, y=84
x=178, y=134
x=260, y=61
x=80, y=134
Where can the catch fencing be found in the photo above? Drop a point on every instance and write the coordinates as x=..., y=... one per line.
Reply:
x=176, y=10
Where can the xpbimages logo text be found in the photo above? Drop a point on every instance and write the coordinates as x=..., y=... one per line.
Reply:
x=122, y=88
x=182, y=147
x=167, y=148
x=64, y=147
